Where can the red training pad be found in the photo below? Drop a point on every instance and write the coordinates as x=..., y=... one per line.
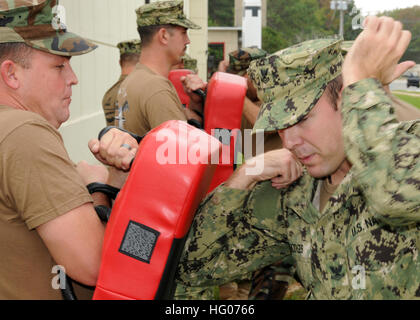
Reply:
x=223, y=111
x=168, y=179
x=224, y=102
x=175, y=78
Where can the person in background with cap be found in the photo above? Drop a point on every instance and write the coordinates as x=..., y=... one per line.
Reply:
x=238, y=63
x=129, y=57
x=347, y=224
x=46, y=213
x=187, y=63
x=190, y=63
x=147, y=97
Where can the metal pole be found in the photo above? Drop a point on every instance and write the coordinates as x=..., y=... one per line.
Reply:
x=342, y=22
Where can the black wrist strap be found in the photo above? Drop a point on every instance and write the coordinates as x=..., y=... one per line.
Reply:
x=198, y=113
x=103, y=213
x=110, y=191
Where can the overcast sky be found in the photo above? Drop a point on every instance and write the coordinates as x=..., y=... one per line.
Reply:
x=373, y=6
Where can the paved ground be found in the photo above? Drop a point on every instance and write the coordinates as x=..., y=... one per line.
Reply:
x=401, y=84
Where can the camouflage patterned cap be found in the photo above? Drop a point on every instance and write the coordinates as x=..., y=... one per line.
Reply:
x=34, y=23
x=189, y=63
x=164, y=12
x=239, y=60
x=291, y=81
x=129, y=46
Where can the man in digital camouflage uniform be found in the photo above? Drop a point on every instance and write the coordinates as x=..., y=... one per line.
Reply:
x=239, y=61
x=129, y=57
x=362, y=240
x=270, y=283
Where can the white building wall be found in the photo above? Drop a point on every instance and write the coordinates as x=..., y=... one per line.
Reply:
x=197, y=11
x=229, y=36
x=252, y=24
x=239, y=12
x=108, y=22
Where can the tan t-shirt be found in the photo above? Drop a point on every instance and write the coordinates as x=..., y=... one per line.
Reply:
x=109, y=101
x=38, y=182
x=148, y=99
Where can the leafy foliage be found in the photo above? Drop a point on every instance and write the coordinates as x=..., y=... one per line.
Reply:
x=410, y=17
x=293, y=21
x=221, y=13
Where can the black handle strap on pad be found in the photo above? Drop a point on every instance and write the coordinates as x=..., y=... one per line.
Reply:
x=106, y=129
x=68, y=291
x=201, y=93
x=103, y=213
x=194, y=122
x=110, y=191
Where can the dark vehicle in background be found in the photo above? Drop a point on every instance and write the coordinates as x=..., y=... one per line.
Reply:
x=413, y=80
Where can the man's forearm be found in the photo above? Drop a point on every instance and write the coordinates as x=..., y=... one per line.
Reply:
x=240, y=180
x=250, y=110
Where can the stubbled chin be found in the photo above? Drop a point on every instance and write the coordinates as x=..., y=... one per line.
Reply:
x=317, y=172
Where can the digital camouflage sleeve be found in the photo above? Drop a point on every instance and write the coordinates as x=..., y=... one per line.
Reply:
x=384, y=153
x=363, y=245
x=232, y=236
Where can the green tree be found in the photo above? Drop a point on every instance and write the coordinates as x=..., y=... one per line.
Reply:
x=332, y=19
x=410, y=17
x=272, y=40
x=293, y=21
x=221, y=13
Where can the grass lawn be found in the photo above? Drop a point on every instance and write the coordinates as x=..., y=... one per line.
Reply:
x=412, y=99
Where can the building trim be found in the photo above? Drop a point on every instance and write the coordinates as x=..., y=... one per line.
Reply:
x=225, y=28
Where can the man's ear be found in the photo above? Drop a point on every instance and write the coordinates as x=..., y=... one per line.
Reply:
x=8, y=73
x=163, y=35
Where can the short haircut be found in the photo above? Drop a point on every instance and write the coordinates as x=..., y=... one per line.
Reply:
x=129, y=58
x=333, y=90
x=19, y=53
x=148, y=32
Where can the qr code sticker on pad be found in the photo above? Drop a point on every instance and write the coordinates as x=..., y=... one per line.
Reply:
x=139, y=241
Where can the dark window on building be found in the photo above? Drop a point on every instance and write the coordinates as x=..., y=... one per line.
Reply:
x=254, y=10
x=215, y=55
